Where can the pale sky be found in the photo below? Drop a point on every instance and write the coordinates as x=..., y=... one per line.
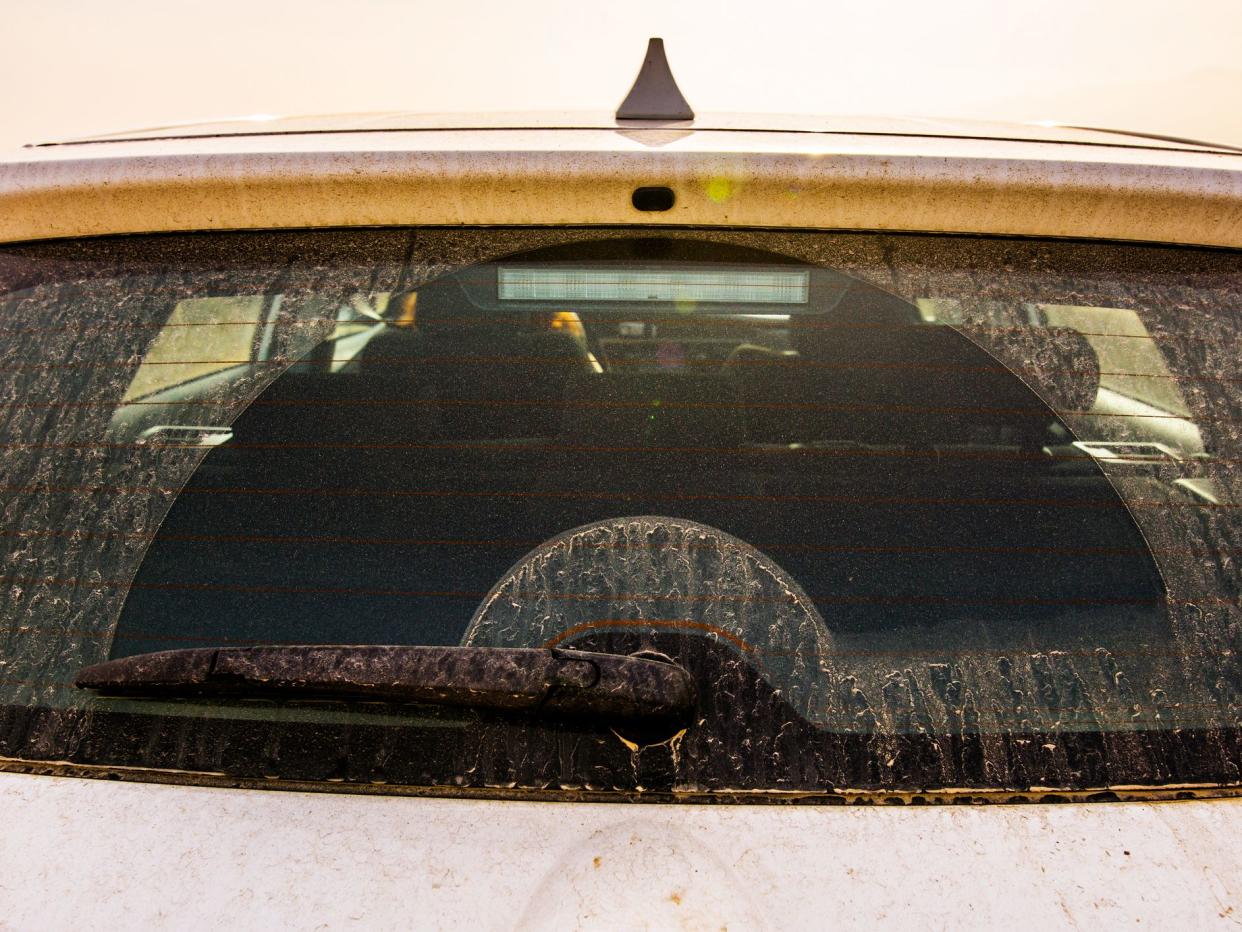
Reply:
x=75, y=67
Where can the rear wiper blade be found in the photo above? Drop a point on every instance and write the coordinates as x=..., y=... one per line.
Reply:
x=611, y=687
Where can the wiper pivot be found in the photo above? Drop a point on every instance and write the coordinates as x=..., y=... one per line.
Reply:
x=543, y=680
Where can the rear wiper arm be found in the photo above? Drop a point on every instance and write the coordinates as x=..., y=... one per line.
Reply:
x=611, y=687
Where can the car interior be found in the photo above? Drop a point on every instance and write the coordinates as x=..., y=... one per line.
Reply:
x=375, y=490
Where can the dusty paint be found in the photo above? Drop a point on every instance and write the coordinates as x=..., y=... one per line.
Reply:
x=586, y=177
x=186, y=857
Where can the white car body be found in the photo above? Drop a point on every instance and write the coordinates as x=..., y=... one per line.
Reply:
x=78, y=851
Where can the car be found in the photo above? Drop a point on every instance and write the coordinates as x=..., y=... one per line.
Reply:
x=640, y=520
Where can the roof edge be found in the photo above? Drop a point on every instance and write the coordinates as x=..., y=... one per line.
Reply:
x=859, y=191
x=392, y=122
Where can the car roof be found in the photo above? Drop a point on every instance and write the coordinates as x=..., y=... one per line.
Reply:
x=794, y=172
x=266, y=125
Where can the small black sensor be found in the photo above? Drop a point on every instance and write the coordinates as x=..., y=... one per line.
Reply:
x=653, y=198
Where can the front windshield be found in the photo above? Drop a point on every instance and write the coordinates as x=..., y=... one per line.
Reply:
x=914, y=513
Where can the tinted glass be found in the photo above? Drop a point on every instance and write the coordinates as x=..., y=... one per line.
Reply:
x=914, y=512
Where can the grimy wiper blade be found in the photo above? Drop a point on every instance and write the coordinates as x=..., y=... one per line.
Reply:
x=610, y=687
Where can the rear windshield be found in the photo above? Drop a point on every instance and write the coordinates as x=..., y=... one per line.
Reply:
x=912, y=513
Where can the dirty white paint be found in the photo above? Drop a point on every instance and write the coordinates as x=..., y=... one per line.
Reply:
x=785, y=180
x=94, y=854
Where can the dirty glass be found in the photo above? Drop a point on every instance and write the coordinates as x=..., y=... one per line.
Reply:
x=915, y=513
